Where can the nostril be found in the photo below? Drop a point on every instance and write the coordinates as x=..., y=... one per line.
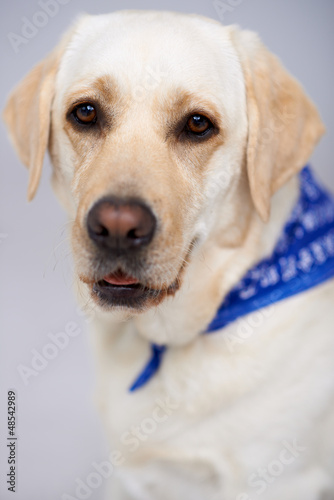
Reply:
x=100, y=231
x=95, y=228
x=103, y=231
x=132, y=234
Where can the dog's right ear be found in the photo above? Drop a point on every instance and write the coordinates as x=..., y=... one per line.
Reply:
x=27, y=116
x=28, y=113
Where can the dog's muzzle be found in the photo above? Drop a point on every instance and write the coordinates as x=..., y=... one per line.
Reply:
x=120, y=230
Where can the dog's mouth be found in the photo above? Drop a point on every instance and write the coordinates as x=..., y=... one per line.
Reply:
x=120, y=280
x=122, y=290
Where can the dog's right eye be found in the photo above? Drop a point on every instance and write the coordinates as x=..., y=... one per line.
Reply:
x=85, y=114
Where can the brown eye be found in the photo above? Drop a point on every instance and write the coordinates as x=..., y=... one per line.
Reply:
x=199, y=124
x=85, y=114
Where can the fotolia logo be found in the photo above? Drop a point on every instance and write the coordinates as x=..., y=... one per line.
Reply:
x=31, y=27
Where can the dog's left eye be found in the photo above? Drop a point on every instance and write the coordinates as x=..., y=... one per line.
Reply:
x=199, y=125
x=85, y=114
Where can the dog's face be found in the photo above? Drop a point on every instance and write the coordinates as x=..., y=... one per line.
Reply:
x=155, y=125
x=142, y=128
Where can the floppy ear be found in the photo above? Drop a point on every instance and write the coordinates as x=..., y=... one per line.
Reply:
x=283, y=124
x=28, y=112
x=27, y=116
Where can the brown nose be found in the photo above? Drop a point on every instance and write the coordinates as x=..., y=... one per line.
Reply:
x=121, y=224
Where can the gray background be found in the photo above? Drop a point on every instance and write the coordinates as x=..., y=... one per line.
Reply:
x=60, y=434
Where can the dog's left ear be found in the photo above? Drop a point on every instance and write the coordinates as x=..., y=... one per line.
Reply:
x=283, y=124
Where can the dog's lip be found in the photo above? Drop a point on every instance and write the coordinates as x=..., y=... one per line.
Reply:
x=120, y=279
x=120, y=289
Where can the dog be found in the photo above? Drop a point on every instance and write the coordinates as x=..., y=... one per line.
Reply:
x=178, y=147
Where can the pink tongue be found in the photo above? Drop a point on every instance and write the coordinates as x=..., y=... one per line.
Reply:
x=120, y=279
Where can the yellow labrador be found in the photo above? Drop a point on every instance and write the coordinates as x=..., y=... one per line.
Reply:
x=176, y=144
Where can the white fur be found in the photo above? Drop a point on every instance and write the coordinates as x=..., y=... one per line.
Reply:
x=240, y=395
x=235, y=402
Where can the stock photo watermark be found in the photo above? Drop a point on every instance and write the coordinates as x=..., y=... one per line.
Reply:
x=264, y=477
x=152, y=79
x=223, y=8
x=40, y=358
x=245, y=327
x=130, y=442
x=57, y=342
x=11, y=476
x=31, y=27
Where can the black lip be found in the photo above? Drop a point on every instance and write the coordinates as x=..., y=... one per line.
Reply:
x=133, y=296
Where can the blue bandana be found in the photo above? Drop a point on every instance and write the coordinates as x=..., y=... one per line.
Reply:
x=302, y=259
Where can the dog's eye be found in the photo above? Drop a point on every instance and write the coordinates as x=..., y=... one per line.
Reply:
x=85, y=114
x=199, y=125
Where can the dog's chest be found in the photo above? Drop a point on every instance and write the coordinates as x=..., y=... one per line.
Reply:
x=222, y=393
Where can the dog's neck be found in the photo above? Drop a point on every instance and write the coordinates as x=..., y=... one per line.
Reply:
x=215, y=267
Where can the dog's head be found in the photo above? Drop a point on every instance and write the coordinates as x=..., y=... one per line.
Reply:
x=158, y=125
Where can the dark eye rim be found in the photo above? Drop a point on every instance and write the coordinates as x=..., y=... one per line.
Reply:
x=76, y=122
x=81, y=122
x=183, y=133
x=199, y=134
